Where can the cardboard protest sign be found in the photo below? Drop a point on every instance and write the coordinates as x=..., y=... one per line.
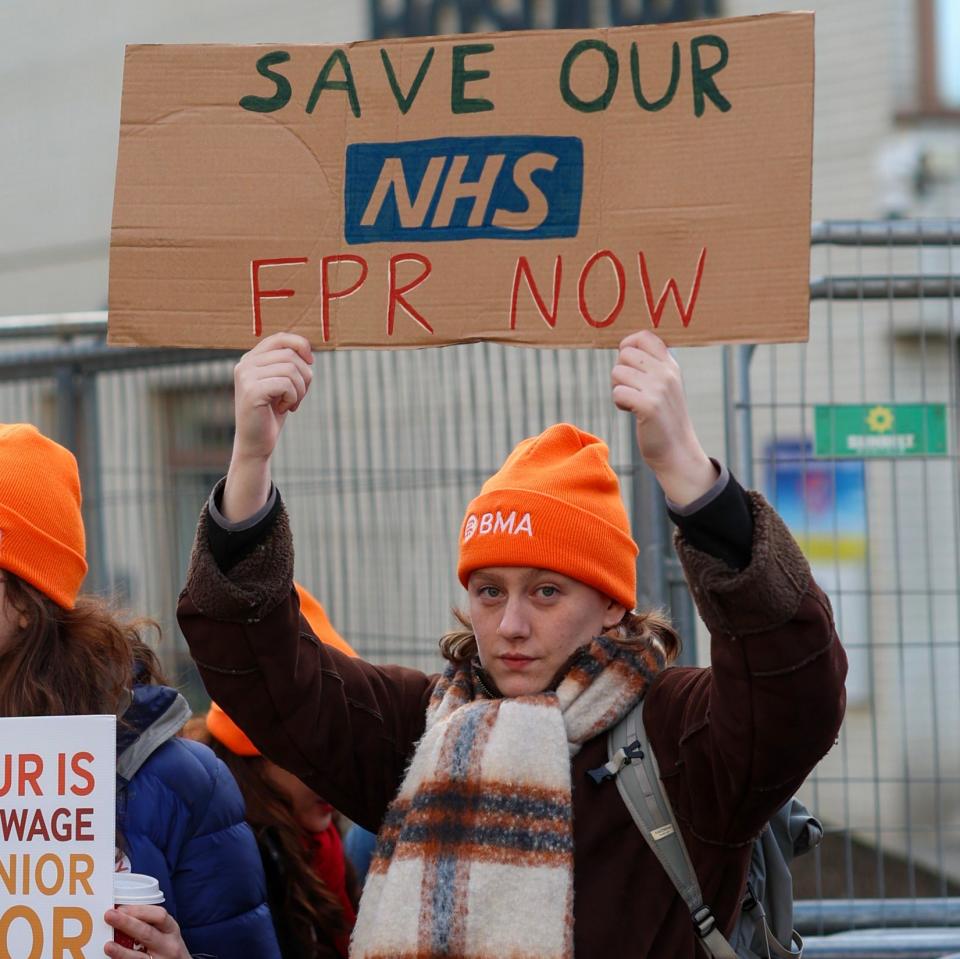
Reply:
x=57, y=835
x=561, y=188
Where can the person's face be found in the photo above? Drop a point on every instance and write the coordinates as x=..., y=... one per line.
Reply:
x=528, y=622
x=312, y=813
x=9, y=617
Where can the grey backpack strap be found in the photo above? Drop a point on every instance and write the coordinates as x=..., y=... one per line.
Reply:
x=634, y=767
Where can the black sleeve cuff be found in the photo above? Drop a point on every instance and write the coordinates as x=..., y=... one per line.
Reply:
x=231, y=542
x=723, y=526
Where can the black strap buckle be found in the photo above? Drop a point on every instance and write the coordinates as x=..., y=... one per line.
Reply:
x=704, y=922
x=600, y=775
x=632, y=753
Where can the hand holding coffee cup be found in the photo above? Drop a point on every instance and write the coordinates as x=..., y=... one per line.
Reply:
x=142, y=927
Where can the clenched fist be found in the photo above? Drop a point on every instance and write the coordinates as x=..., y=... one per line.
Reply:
x=647, y=383
x=270, y=381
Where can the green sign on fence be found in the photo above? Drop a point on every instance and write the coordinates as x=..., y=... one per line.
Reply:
x=900, y=429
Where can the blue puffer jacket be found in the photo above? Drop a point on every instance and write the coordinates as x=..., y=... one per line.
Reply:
x=180, y=818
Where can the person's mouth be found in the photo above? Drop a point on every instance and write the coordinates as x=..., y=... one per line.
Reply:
x=517, y=662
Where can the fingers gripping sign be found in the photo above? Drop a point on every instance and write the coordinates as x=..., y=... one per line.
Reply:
x=270, y=381
x=646, y=382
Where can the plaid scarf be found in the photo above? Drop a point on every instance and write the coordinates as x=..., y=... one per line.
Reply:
x=475, y=856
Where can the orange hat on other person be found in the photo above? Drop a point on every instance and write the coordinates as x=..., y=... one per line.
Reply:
x=316, y=616
x=554, y=504
x=41, y=526
x=223, y=728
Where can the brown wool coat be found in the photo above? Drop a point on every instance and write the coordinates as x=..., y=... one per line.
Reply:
x=733, y=741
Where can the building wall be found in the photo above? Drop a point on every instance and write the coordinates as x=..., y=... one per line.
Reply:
x=59, y=131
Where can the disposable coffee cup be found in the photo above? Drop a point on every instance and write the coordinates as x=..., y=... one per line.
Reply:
x=134, y=889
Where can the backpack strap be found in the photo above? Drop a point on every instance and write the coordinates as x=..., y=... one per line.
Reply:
x=634, y=767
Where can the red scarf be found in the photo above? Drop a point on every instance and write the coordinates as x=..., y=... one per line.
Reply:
x=330, y=866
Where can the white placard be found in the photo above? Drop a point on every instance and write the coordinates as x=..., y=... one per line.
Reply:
x=57, y=835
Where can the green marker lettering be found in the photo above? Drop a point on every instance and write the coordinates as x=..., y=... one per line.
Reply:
x=461, y=76
x=323, y=83
x=654, y=105
x=613, y=72
x=405, y=102
x=703, y=83
x=281, y=96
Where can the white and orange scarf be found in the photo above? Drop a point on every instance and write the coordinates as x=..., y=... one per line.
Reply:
x=475, y=857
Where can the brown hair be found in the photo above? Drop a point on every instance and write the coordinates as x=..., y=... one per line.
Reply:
x=649, y=628
x=65, y=662
x=310, y=912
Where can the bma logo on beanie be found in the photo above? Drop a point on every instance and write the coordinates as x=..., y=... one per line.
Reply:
x=498, y=522
x=554, y=504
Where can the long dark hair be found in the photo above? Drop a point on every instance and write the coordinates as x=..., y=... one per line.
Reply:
x=70, y=662
x=309, y=912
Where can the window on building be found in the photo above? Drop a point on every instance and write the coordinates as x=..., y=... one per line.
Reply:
x=947, y=28
x=939, y=34
x=198, y=436
x=397, y=18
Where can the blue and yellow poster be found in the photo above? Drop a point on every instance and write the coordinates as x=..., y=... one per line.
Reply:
x=824, y=502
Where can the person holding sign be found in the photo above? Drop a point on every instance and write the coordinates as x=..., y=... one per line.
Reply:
x=493, y=837
x=180, y=815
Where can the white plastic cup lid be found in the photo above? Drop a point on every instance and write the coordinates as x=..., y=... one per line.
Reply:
x=136, y=889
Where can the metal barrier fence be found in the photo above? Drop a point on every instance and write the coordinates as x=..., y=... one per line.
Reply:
x=854, y=437
x=378, y=465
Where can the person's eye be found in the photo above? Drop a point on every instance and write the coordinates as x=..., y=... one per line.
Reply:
x=548, y=592
x=488, y=592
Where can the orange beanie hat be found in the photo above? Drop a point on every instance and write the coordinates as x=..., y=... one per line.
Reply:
x=316, y=616
x=41, y=527
x=223, y=728
x=554, y=504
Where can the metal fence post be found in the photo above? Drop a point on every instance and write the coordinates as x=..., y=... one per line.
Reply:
x=78, y=428
x=660, y=581
x=744, y=420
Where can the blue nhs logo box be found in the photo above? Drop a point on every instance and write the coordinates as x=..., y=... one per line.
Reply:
x=463, y=188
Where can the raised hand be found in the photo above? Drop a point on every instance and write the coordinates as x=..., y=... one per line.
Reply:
x=647, y=383
x=270, y=381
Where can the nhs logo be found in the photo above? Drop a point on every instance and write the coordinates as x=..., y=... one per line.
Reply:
x=463, y=188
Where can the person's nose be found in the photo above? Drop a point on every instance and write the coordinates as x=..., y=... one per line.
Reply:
x=515, y=622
